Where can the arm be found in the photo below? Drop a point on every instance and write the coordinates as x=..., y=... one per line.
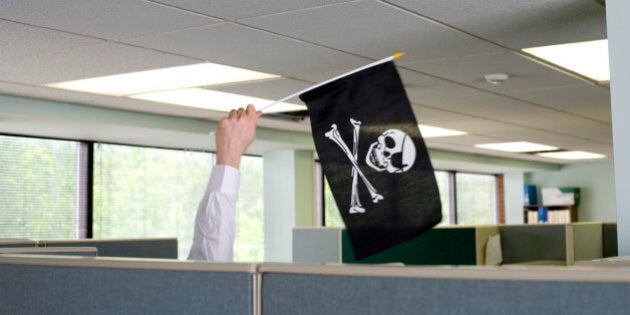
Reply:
x=215, y=224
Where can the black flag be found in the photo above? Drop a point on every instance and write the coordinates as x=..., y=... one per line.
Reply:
x=374, y=158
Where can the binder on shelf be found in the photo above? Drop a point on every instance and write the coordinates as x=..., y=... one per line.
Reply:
x=530, y=195
x=542, y=214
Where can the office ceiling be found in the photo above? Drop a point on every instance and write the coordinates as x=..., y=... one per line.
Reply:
x=449, y=44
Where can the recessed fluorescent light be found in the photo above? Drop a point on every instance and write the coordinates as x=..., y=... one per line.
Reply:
x=202, y=74
x=587, y=58
x=214, y=100
x=519, y=146
x=434, y=132
x=572, y=155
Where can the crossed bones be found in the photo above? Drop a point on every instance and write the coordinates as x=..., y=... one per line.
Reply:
x=355, y=203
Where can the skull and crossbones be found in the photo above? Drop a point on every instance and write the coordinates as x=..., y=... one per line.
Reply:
x=393, y=152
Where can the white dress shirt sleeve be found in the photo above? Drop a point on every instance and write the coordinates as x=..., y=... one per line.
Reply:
x=215, y=225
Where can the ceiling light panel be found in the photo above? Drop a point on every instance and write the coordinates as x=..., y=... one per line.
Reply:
x=586, y=58
x=204, y=74
x=434, y=132
x=214, y=100
x=572, y=155
x=518, y=146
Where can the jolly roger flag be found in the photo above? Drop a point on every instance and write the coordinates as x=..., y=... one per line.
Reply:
x=374, y=158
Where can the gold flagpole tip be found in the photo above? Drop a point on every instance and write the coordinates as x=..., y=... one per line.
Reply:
x=398, y=55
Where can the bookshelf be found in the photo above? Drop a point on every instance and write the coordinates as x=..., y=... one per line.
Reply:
x=555, y=214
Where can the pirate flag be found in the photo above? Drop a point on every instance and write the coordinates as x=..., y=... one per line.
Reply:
x=374, y=158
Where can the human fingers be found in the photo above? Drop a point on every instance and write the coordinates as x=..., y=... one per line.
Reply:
x=233, y=114
x=240, y=112
x=252, y=112
x=250, y=109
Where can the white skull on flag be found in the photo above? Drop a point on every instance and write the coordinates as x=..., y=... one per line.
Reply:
x=393, y=152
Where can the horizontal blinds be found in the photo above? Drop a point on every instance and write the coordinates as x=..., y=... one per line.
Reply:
x=38, y=188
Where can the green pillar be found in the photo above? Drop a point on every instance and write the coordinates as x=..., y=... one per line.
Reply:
x=289, y=199
x=618, y=51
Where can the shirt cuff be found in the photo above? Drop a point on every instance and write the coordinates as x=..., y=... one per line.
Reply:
x=224, y=179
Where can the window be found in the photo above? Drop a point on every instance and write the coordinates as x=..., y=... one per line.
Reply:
x=475, y=198
x=250, y=241
x=332, y=217
x=466, y=198
x=150, y=192
x=444, y=183
x=137, y=192
x=38, y=189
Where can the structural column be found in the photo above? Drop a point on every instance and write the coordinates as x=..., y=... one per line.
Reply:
x=289, y=199
x=618, y=24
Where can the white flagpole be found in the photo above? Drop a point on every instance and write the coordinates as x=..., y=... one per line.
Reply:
x=384, y=60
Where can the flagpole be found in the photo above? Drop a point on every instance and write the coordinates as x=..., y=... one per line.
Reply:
x=384, y=60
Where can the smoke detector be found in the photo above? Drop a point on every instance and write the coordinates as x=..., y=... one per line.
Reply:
x=496, y=78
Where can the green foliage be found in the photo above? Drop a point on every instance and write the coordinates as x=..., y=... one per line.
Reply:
x=475, y=199
x=147, y=192
x=138, y=192
x=37, y=188
x=250, y=242
x=331, y=211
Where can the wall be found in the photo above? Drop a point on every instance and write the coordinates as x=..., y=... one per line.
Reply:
x=596, y=183
x=513, y=194
x=617, y=24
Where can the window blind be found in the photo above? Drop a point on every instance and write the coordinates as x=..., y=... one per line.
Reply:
x=38, y=188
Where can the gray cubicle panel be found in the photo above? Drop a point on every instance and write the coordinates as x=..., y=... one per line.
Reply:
x=16, y=242
x=552, y=243
x=317, y=245
x=588, y=240
x=537, y=243
x=66, y=251
x=444, y=245
x=371, y=289
x=137, y=248
x=609, y=230
x=70, y=285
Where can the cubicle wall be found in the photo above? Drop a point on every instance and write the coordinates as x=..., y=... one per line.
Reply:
x=55, y=251
x=13, y=242
x=70, y=285
x=304, y=289
x=448, y=245
x=609, y=230
x=55, y=285
x=138, y=248
x=552, y=244
x=560, y=244
x=537, y=243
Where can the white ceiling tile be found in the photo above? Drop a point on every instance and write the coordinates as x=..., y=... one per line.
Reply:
x=235, y=45
x=85, y=62
x=524, y=114
x=111, y=19
x=587, y=100
x=238, y=9
x=124, y=103
x=269, y=89
x=519, y=24
x=18, y=40
x=309, y=41
x=523, y=73
x=427, y=90
x=373, y=29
